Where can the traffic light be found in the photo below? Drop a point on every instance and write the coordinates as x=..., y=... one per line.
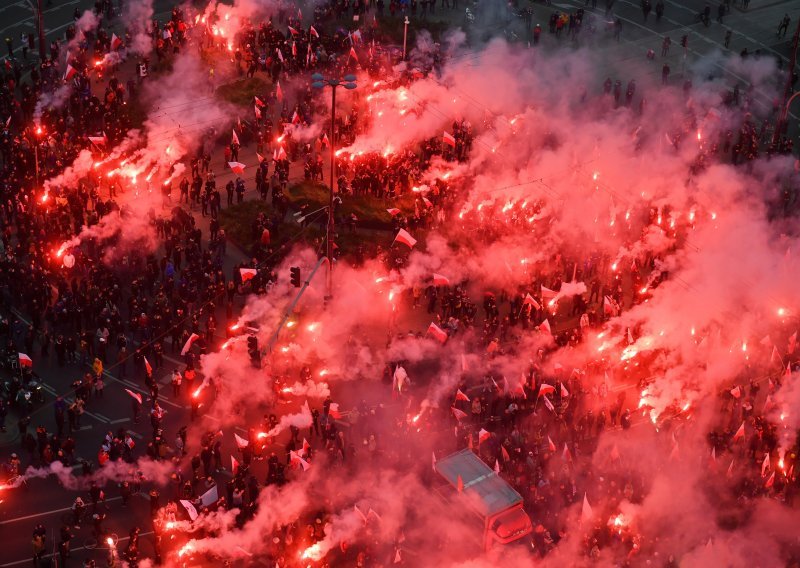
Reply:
x=294, y=272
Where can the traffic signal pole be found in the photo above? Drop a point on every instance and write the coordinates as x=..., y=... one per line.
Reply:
x=290, y=309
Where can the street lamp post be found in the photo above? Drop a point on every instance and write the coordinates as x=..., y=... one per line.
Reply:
x=783, y=112
x=405, y=36
x=37, y=12
x=319, y=82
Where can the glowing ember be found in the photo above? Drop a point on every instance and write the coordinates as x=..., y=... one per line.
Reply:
x=110, y=541
x=313, y=552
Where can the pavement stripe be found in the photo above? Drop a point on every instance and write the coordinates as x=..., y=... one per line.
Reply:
x=44, y=514
x=28, y=560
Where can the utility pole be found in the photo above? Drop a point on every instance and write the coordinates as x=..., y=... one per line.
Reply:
x=40, y=26
x=330, y=230
x=787, y=91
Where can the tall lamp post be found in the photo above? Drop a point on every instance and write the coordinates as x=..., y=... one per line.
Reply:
x=319, y=82
x=36, y=6
x=405, y=36
x=787, y=100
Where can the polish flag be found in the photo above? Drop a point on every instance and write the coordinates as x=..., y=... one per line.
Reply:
x=313, y=32
x=297, y=460
x=483, y=435
x=294, y=49
x=70, y=72
x=586, y=510
x=393, y=211
x=235, y=138
x=135, y=395
x=260, y=157
x=546, y=389
x=439, y=280
x=258, y=102
x=98, y=140
x=404, y=237
x=531, y=301
x=293, y=31
x=564, y=391
x=448, y=139
x=296, y=118
x=549, y=404
x=792, y=343
x=427, y=202
x=189, y=509
x=437, y=333
x=459, y=414
x=461, y=396
x=545, y=327
x=353, y=54
x=240, y=442
x=739, y=433
x=551, y=446
x=608, y=307
x=148, y=368
x=236, y=167
x=279, y=154
x=279, y=92
x=504, y=453
x=433, y=463
x=247, y=274
x=788, y=373
x=770, y=481
x=257, y=112
x=325, y=141
x=765, y=465
x=566, y=455
x=397, y=558
x=547, y=293
x=280, y=54
x=306, y=447
x=736, y=392
x=116, y=43
x=188, y=345
x=497, y=466
x=234, y=465
x=24, y=360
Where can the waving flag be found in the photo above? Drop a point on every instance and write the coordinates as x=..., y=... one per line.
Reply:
x=393, y=211
x=189, y=509
x=278, y=90
x=461, y=396
x=437, y=333
x=116, y=43
x=240, y=442
x=188, y=345
x=293, y=31
x=136, y=396
x=70, y=72
x=545, y=327
x=459, y=414
x=235, y=138
x=439, y=280
x=147, y=367
x=24, y=360
x=449, y=139
x=530, y=301
x=247, y=274
x=236, y=167
x=258, y=102
x=404, y=237
x=546, y=389
x=313, y=32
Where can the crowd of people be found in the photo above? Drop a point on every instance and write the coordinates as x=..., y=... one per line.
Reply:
x=118, y=316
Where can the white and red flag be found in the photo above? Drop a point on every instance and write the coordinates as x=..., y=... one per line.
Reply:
x=247, y=274
x=405, y=237
x=448, y=139
x=188, y=345
x=437, y=333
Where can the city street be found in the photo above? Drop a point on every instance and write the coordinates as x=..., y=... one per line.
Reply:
x=44, y=501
